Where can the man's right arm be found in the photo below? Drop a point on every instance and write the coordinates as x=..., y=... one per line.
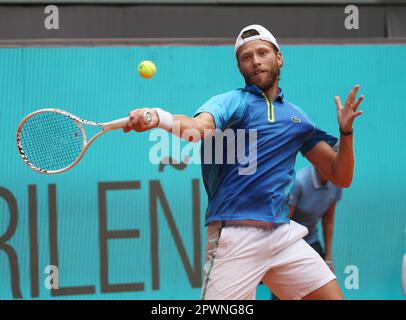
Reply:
x=185, y=127
x=202, y=124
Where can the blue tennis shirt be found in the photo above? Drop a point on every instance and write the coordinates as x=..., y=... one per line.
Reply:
x=282, y=131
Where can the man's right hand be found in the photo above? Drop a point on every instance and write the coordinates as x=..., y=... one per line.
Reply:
x=139, y=120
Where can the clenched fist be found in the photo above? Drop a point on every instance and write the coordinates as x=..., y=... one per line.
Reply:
x=141, y=120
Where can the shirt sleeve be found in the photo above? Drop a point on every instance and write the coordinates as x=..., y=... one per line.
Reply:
x=295, y=194
x=226, y=109
x=317, y=136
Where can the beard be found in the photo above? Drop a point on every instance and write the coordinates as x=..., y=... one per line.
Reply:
x=267, y=79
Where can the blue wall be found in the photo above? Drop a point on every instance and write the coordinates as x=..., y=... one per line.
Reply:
x=102, y=84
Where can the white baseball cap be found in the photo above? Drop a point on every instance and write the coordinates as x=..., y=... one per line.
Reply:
x=263, y=34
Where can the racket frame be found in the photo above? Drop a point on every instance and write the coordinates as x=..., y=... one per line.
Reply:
x=105, y=127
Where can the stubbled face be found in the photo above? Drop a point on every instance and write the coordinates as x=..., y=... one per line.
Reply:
x=258, y=64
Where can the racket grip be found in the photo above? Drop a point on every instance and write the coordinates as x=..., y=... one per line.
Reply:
x=116, y=124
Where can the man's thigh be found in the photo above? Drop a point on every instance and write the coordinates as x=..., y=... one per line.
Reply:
x=234, y=266
x=297, y=271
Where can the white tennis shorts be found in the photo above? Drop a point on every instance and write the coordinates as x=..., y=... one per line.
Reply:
x=241, y=254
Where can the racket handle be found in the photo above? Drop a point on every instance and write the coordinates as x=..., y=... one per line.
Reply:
x=116, y=124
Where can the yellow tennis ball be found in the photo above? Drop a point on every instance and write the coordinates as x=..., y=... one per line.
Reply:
x=146, y=69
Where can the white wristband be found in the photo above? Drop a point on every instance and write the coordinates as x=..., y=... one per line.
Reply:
x=165, y=119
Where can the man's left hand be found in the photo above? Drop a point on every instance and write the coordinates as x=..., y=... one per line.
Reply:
x=348, y=113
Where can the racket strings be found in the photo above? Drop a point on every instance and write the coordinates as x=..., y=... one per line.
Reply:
x=51, y=141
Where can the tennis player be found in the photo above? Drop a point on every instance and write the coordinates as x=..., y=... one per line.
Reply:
x=249, y=236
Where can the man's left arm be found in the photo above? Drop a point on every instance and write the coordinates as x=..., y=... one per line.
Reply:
x=338, y=167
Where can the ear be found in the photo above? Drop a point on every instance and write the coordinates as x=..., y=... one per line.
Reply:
x=279, y=59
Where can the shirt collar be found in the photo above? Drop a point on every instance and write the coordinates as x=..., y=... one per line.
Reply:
x=256, y=90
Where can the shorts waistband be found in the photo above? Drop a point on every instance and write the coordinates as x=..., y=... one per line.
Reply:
x=246, y=223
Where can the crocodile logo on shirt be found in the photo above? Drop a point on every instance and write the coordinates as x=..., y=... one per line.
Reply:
x=294, y=119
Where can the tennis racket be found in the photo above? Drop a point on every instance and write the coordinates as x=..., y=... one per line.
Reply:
x=52, y=141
